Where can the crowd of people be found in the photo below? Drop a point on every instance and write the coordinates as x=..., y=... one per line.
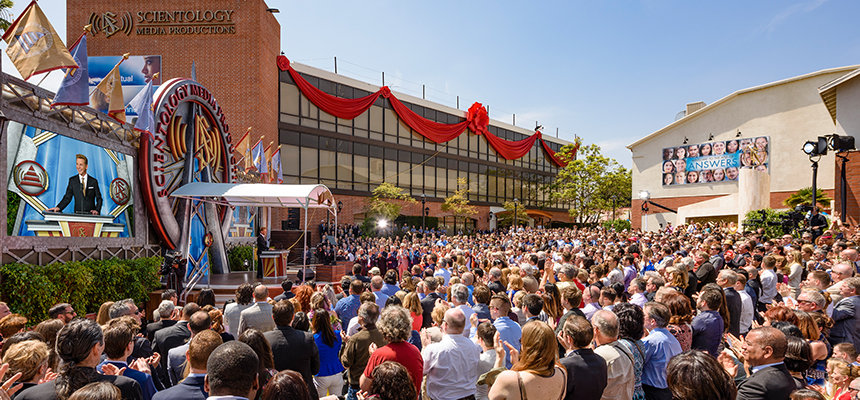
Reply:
x=689, y=312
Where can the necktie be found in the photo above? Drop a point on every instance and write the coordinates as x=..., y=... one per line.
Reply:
x=83, y=186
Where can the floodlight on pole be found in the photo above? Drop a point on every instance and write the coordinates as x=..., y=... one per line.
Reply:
x=382, y=224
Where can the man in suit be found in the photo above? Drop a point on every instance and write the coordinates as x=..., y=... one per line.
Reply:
x=727, y=279
x=259, y=315
x=83, y=188
x=262, y=245
x=191, y=388
x=586, y=371
x=293, y=349
x=165, y=314
x=171, y=337
x=705, y=271
x=429, y=301
x=846, y=314
x=764, y=351
x=199, y=322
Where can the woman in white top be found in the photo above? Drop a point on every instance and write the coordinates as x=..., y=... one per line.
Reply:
x=795, y=272
x=536, y=374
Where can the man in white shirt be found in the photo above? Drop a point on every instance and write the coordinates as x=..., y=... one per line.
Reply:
x=451, y=366
x=442, y=271
x=460, y=301
x=637, y=292
x=591, y=296
x=768, y=282
x=747, y=307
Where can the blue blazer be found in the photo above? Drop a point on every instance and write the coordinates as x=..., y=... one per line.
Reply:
x=147, y=386
x=190, y=388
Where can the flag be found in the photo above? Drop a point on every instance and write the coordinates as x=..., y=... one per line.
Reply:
x=74, y=91
x=276, y=166
x=242, y=148
x=267, y=177
x=142, y=105
x=257, y=154
x=193, y=71
x=109, y=91
x=34, y=45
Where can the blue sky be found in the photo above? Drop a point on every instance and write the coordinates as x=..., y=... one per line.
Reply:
x=608, y=71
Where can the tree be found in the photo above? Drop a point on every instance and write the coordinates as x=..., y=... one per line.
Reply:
x=387, y=201
x=589, y=181
x=508, y=217
x=5, y=14
x=458, y=203
x=804, y=196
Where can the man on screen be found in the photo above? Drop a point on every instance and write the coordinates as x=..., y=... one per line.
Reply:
x=84, y=189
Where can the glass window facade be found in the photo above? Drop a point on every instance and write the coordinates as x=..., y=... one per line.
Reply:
x=354, y=156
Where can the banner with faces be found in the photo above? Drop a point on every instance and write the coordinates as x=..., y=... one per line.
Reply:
x=714, y=162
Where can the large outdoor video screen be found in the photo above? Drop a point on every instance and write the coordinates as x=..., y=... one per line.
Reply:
x=135, y=73
x=62, y=187
x=713, y=162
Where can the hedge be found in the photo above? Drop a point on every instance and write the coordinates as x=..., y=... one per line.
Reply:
x=31, y=290
x=237, y=255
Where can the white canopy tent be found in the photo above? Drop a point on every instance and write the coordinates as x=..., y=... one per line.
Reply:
x=262, y=195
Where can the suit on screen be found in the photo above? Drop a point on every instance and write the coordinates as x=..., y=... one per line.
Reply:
x=83, y=203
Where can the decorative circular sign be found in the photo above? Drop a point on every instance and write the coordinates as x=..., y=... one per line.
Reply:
x=30, y=178
x=119, y=191
x=190, y=143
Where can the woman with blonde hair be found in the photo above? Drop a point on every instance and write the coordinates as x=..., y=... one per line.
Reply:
x=103, y=315
x=536, y=373
x=795, y=271
x=30, y=358
x=515, y=284
x=839, y=375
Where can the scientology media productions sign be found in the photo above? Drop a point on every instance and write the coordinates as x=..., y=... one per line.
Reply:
x=164, y=22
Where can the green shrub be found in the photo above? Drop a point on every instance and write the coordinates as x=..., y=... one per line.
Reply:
x=31, y=290
x=236, y=258
x=617, y=224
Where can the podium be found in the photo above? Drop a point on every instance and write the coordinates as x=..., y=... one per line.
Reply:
x=274, y=263
x=75, y=225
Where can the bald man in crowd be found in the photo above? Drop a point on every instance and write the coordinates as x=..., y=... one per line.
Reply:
x=259, y=315
x=451, y=365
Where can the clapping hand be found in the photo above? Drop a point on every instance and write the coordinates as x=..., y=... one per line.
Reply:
x=110, y=369
x=371, y=348
x=8, y=388
x=728, y=364
x=49, y=376
x=154, y=359
x=141, y=365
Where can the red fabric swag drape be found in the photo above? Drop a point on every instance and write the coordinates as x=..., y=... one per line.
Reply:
x=551, y=154
x=339, y=107
x=431, y=130
x=476, y=119
x=511, y=150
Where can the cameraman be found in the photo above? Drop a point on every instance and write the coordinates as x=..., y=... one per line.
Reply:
x=817, y=223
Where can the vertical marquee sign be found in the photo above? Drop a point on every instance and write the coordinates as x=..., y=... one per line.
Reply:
x=191, y=143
